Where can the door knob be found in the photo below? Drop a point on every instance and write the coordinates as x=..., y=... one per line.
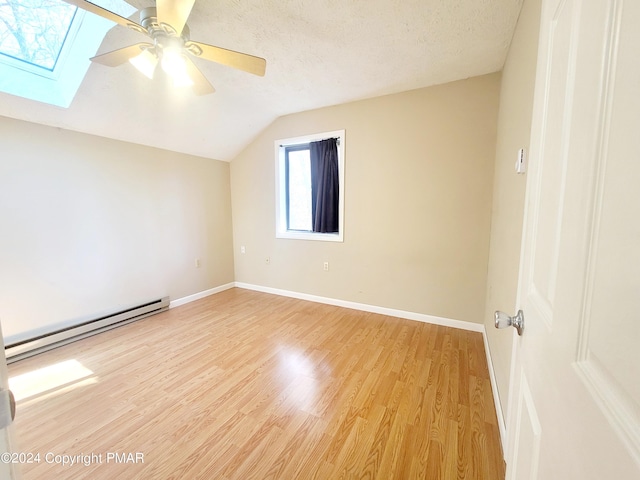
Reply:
x=503, y=321
x=7, y=408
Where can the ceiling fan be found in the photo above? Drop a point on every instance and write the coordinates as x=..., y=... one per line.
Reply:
x=166, y=25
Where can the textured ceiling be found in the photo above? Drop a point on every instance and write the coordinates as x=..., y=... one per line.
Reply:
x=318, y=52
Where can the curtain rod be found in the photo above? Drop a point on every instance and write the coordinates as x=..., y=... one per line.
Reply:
x=337, y=139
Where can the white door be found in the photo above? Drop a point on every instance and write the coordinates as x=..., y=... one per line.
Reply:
x=8, y=470
x=574, y=407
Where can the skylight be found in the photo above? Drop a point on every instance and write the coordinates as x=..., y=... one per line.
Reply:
x=45, y=46
x=34, y=31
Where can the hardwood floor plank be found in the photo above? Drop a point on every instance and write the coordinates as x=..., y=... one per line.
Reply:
x=243, y=384
x=291, y=454
x=478, y=434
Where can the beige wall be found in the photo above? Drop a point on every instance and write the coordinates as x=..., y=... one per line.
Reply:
x=514, y=126
x=419, y=173
x=90, y=225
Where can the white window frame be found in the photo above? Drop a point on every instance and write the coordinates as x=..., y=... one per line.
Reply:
x=281, y=197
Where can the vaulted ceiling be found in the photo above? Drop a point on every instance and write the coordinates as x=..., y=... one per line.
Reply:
x=318, y=52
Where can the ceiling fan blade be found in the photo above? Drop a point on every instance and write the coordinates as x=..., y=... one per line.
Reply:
x=201, y=85
x=120, y=56
x=103, y=12
x=174, y=13
x=241, y=61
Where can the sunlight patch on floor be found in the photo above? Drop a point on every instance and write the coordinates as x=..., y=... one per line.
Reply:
x=50, y=378
x=299, y=368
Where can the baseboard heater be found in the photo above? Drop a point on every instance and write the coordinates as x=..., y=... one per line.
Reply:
x=42, y=343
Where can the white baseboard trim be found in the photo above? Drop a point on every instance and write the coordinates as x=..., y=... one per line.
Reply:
x=420, y=317
x=199, y=295
x=496, y=398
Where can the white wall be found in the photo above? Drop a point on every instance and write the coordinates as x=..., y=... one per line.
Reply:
x=418, y=185
x=91, y=225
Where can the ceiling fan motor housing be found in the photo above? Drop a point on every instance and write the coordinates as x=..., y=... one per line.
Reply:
x=156, y=30
x=165, y=37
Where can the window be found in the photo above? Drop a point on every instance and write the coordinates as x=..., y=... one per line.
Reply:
x=310, y=187
x=45, y=47
x=298, y=187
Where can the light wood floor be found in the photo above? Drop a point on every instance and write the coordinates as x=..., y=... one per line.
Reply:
x=246, y=385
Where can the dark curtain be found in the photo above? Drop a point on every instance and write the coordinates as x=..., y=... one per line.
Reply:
x=325, y=187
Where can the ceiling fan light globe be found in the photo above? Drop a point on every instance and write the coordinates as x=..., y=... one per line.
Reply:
x=145, y=63
x=174, y=65
x=182, y=80
x=172, y=61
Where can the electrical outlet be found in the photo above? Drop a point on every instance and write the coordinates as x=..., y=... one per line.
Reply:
x=267, y=260
x=198, y=263
x=242, y=249
x=325, y=266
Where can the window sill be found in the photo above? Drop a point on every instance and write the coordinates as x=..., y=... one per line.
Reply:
x=323, y=237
